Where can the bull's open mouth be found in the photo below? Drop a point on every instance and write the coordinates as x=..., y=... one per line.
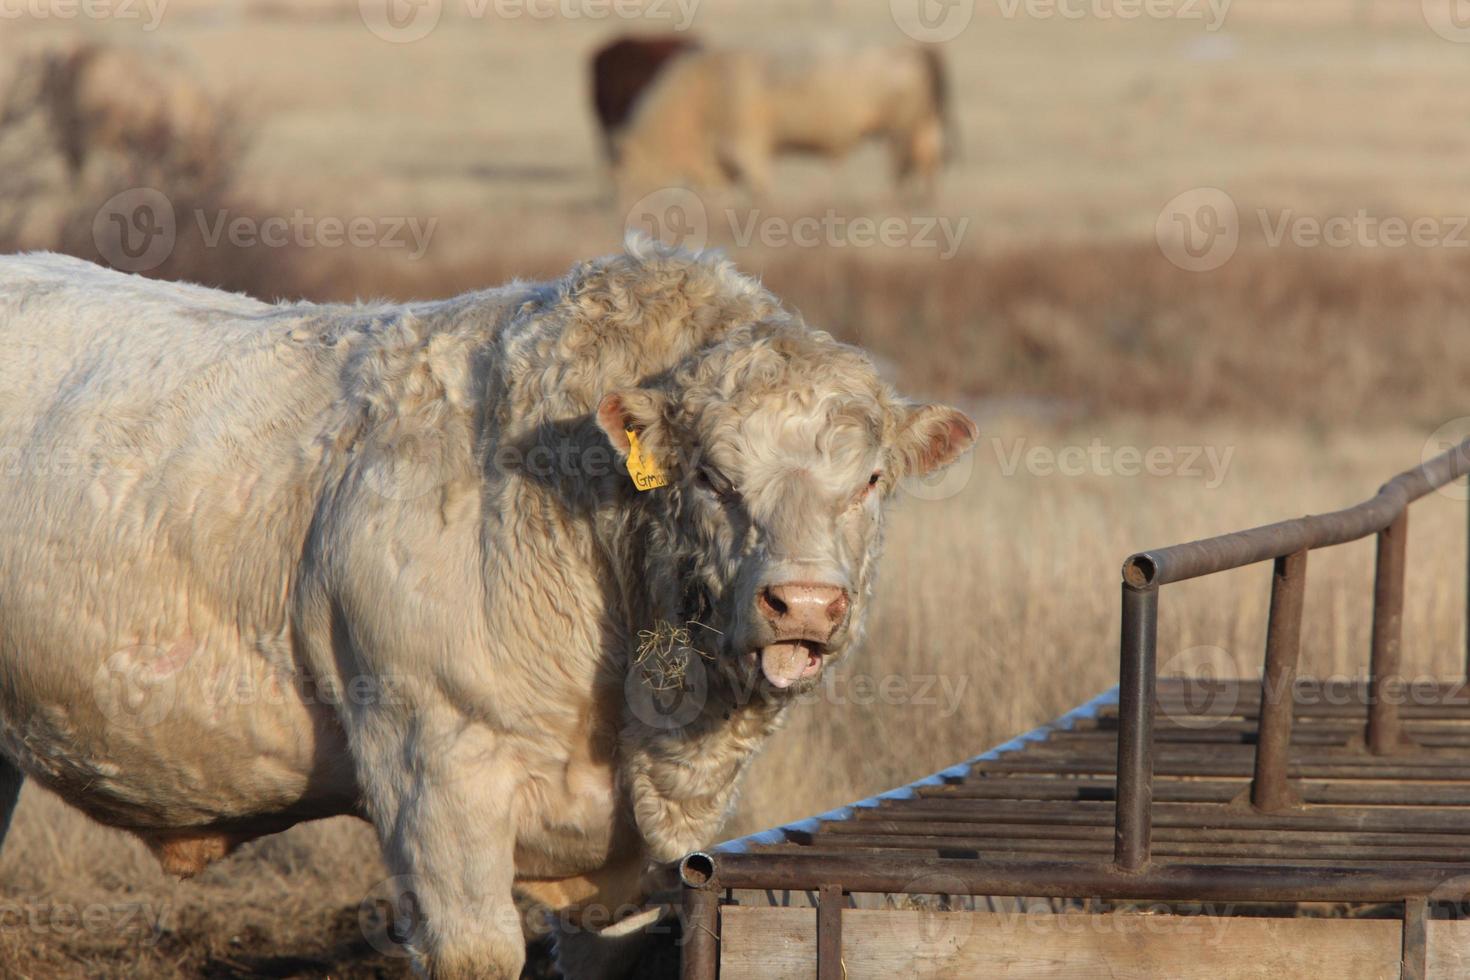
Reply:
x=789, y=661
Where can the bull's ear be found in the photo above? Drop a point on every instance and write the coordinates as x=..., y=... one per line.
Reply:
x=635, y=409
x=933, y=436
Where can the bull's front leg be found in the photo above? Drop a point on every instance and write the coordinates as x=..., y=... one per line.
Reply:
x=444, y=813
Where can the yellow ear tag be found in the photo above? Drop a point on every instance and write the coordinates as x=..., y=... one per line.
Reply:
x=642, y=467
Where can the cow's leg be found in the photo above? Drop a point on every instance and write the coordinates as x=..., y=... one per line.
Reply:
x=10, y=780
x=917, y=156
x=443, y=810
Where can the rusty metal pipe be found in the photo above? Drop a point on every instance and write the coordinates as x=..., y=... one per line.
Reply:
x=699, y=953
x=1270, y=788
x=1136, y=677
x=907, y=875
x=1209, y=555
x=1385, y=665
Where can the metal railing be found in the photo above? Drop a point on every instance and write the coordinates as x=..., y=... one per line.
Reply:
x=1287, y=545
x=776, y=859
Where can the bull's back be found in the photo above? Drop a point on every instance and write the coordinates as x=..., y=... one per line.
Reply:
x=159, y=462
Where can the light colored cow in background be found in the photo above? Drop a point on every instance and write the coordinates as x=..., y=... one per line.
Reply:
x=723, y=114
x=116, y=105
x=263, y=564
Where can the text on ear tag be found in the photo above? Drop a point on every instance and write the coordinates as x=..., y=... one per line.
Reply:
x=642, y=467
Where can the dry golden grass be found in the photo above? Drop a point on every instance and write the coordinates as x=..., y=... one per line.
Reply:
x=1059, y=323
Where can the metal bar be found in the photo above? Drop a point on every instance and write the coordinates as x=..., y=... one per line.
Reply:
x=1429, y=819
x=1382, y=792
x=1136, y=675
x=699, y=957
x=1467, y=578
x=1234, y=882
x=1184, y=766
x=1260, y=847
x=1195, y=558
x=1415, y=961
x=1385, y=668
x=981, y=829
x=829, y=933
x=1270, y=789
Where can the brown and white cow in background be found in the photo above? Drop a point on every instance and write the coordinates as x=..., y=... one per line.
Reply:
x=719, y=115
x=425, y=509
x=622, y=70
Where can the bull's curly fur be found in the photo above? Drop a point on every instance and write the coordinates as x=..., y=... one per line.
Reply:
x=407, y=532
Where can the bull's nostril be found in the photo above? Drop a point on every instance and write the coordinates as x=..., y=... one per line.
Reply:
x=837, y=609
x=773, y=602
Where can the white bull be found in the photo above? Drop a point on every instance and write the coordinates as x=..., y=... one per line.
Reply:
x=263, y=564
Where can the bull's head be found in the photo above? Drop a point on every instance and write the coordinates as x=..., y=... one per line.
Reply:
x=780, y=446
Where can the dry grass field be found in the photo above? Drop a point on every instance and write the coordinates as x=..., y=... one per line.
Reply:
x=1291, y=379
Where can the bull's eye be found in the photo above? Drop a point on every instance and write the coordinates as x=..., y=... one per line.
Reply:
x=873, y=480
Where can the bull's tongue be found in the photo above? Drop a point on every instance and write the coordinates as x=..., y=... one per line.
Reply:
x=786, y=663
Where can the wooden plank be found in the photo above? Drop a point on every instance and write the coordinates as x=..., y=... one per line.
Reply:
x=1449, y=949
x=780, y=944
